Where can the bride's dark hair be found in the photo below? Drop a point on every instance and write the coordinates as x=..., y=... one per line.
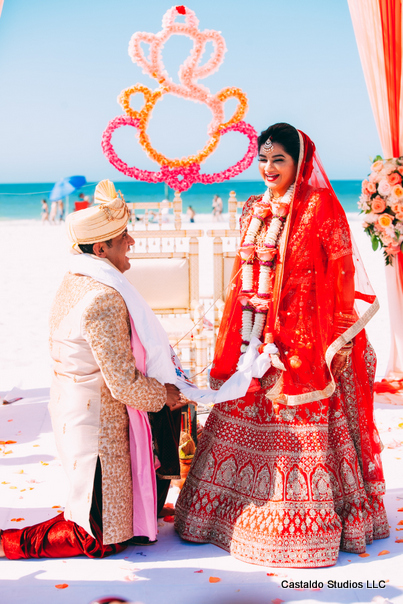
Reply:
x=285, y=135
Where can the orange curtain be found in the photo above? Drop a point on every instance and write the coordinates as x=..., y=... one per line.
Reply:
x=378, y=31
x=391, y=22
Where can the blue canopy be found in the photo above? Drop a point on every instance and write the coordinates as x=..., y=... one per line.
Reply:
x=65, y=186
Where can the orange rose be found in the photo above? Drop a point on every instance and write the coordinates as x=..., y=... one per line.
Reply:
x=387, y=239
x=385, y=221
x=378, y=205
x=377, y=166
x=364, y=187
x=392, y=250
x=400, y=169
x=371, y=187
x=398, y=191
x=399, y=214
x=394, y=179
x=397, y=207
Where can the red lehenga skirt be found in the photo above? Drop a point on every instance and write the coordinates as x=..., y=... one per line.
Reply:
x=287, y=487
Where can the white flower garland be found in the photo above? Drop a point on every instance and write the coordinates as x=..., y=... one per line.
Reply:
x=254, y=318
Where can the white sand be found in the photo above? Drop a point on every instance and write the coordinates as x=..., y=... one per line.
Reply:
x=34, y=259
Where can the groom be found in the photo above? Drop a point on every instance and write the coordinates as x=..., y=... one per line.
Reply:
x=95, y=380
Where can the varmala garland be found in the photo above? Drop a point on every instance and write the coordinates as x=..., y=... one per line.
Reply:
x=255, y=304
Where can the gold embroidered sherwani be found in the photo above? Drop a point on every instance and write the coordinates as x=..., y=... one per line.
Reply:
x=94, y=378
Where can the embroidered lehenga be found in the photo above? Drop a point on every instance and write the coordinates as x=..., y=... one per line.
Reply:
x=290, y=473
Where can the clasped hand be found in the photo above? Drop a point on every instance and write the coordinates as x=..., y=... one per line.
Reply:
x=173, y=397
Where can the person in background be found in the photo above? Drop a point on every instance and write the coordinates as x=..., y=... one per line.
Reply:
x=44, y=211
x=53, y=212
x=60, y=210
x=217, y=208
x=85, y=198
x=191, y=213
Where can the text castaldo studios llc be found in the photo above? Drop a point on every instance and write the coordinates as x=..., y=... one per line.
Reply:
x=331, y=584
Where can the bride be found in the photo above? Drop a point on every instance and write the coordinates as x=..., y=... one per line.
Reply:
x=291, y=473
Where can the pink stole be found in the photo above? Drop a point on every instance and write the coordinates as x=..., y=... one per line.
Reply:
x=142, y=459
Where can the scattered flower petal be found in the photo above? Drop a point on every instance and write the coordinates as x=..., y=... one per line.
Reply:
x=17, y=519
x=62, y=586
x=44, y=463
x=214, y=579
x=400, y=510
x=400, y=522
x=56, y=506
x=198, y=571
x=4, y=482
x=169, y=518
x=383, y=552
x=399, y=541
x=277, y=601
x=363, y=555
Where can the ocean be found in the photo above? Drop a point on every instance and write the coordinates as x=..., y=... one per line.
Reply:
x=23, y=201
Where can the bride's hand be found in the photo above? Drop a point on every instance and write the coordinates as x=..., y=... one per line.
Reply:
x=339, y=363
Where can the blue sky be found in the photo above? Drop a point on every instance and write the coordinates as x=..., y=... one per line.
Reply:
x=64, y=62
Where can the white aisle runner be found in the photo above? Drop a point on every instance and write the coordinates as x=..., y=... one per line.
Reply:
x=33, y=488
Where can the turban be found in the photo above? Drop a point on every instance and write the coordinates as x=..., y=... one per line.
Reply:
x=101, y=222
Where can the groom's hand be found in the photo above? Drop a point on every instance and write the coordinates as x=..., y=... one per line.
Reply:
x=173, y=397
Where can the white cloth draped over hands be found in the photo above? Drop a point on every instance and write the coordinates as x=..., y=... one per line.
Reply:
x=160, y=358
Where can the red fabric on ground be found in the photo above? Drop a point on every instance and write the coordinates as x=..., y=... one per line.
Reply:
x=61, y=538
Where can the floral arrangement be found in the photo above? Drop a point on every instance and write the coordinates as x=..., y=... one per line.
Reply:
x=382, y=203
x=180, y=174
x=255, y=304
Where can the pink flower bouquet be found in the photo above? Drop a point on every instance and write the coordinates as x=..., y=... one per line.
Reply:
x=382, y=203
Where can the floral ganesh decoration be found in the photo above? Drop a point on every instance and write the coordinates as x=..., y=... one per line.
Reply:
x=180, y=174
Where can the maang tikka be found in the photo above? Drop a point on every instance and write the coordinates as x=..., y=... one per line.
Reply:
x=268, y=146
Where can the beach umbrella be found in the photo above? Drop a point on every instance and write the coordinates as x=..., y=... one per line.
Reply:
x=65, y=186
x=378, y=31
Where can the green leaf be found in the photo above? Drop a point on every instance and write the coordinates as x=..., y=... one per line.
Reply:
x=375, y=243
x=377, y=158
x=401, y=246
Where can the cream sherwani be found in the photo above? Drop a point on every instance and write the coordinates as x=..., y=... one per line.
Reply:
x=95, y=377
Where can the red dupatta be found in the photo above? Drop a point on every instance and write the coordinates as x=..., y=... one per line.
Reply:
x=321, y=297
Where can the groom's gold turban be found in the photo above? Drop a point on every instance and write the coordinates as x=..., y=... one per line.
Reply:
x=101, y=222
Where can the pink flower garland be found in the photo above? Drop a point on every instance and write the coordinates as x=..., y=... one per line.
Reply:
x=182, y=178
x=180, y=174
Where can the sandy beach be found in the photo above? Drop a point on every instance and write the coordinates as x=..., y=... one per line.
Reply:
x=33, y=486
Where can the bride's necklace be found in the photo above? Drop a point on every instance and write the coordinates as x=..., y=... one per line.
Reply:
x=255, y=303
